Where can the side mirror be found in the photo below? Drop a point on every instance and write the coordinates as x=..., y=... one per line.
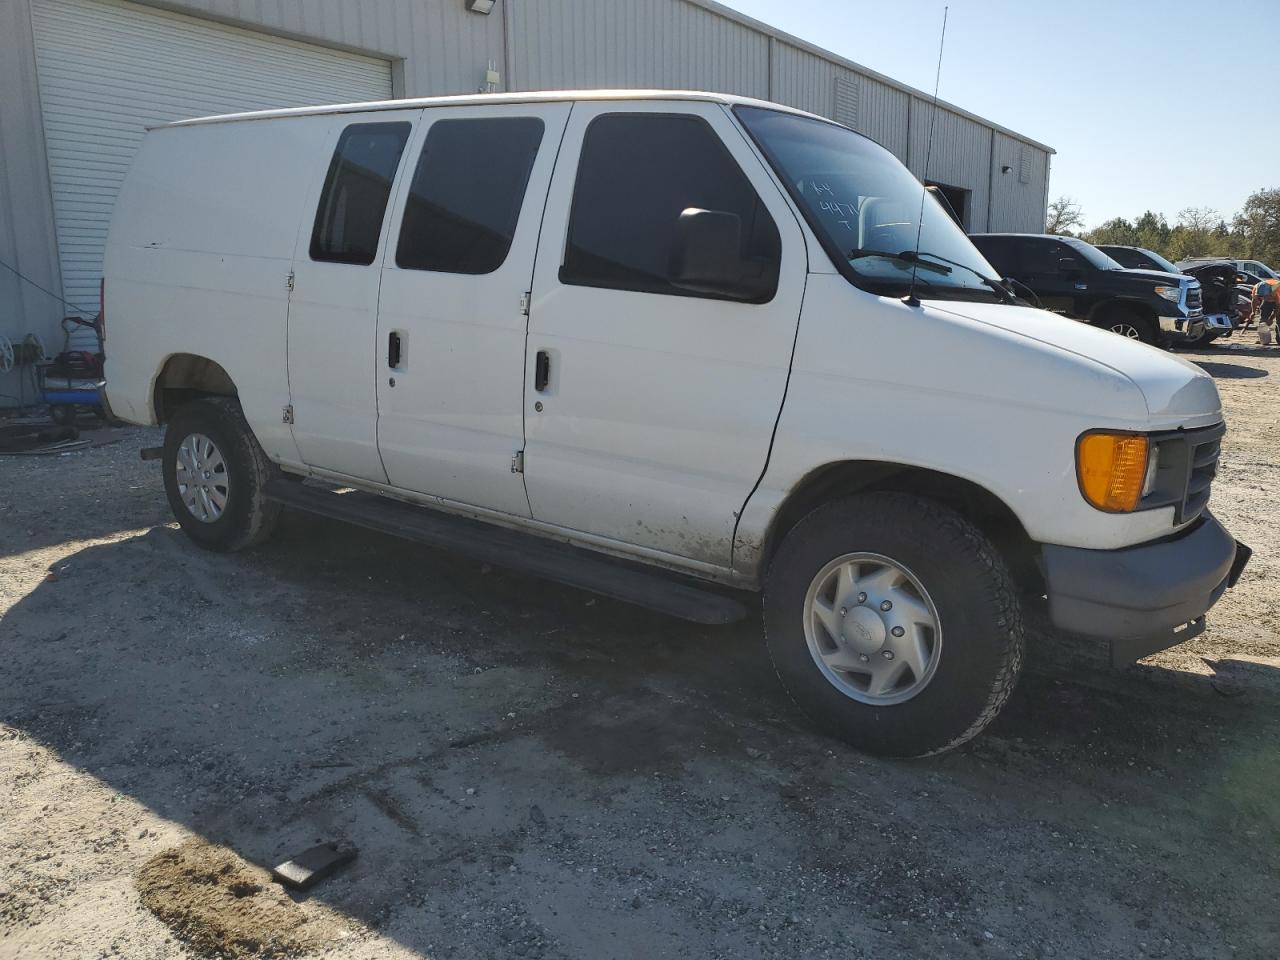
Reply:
x=706, y=258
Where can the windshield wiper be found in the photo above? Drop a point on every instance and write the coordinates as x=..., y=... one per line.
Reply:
x=913, y=257
x=906, y=256
x=910, y=256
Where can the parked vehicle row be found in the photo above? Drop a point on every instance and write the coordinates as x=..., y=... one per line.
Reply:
x=1077, y=280
x=1227, y=287
x=670, y=347
x=1253, y=268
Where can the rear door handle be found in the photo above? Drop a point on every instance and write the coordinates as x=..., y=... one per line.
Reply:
x=541, y=371
x=393, y=349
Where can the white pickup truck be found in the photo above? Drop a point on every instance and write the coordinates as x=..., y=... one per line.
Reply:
x=668, y=347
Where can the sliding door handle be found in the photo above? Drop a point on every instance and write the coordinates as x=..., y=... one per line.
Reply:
x=393, y=349
x=541, y=371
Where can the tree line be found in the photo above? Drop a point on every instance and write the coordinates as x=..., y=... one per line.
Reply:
x=1253, y=233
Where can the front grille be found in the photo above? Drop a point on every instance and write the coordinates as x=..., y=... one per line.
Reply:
x=1186, y=465
x=1195, y=300
x=1204, y=467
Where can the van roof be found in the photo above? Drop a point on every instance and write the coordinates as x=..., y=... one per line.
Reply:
x=479, y=99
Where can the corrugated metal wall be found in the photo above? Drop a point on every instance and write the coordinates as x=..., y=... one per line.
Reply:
x=438, y=47
x=98, y=103
x=1019, y=197
x=575, y=44
x=27, y=238
x=444, y=47
x=885, y=115
x=960, y=155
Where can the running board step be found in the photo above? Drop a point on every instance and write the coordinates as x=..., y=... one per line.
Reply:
x=523, y=552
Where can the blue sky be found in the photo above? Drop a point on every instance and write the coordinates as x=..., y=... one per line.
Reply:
x=1145, y=102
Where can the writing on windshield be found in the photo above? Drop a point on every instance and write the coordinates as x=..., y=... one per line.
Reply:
x=859, y=198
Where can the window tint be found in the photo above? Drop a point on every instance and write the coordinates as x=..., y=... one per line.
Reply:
x=1042, y=259
x=1000, y=252
x=354, y=199
x=466, y=194
x=637, y=175
x=1130, y=259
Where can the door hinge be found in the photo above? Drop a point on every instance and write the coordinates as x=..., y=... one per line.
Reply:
x=524, y=302
x=288, y=413
x=289, y=280
x=517, y=462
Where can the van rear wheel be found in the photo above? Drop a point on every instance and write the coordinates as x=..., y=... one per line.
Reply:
x=215, y=476
x=893, y=623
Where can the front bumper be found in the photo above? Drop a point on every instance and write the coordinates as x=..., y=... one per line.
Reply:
x=1219, y=322
x=1179, y=326
x=1146, y=597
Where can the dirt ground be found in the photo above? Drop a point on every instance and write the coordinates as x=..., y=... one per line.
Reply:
x=528, y=771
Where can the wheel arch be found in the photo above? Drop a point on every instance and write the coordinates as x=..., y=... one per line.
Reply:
x=184, y=377
x=973, y=501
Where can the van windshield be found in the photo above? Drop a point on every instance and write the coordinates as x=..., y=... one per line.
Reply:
x=864, y=206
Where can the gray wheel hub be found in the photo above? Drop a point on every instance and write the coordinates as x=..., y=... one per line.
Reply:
x=872, y=629
x=201, y=475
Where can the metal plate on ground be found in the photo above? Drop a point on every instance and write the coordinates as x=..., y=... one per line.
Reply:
x=311, y=866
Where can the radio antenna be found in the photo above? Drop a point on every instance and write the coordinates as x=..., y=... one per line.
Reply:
x=911, y=300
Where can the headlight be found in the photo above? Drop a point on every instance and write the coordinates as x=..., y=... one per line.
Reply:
x=1173, y=294
x=1113, y=469
x=1153, y=464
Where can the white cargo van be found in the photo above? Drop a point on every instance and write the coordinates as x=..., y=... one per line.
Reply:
x=667, y=347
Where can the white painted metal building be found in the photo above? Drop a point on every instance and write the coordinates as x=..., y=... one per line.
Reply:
x=80, y=80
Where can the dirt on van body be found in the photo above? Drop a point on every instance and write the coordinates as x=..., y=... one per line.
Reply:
x=529, y=771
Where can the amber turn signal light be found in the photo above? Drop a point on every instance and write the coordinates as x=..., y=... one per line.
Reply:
x=1112, y=468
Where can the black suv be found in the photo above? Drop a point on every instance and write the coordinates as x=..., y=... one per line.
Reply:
x=1071, y=277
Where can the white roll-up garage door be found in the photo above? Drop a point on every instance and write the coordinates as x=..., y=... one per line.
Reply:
x=108, y=69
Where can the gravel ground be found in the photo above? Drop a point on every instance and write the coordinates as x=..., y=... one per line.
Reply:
x=531, y=772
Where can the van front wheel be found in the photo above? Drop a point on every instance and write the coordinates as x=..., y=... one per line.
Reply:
x=893, y=623
x=215, y=476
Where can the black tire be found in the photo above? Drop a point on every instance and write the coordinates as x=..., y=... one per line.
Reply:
x=1120, y=321
x=64, y=415
x=978, y=613
x=247, y=518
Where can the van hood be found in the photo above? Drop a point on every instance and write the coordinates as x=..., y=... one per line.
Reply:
x=1177, y=393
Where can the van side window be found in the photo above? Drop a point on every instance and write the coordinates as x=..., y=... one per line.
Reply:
x=466, y=194
x=638, y=173
x=354, y=198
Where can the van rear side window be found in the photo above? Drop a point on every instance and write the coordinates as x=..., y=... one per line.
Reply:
x=466, y=194
x=354, y=199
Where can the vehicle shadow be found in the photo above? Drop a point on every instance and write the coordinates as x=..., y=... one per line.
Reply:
x=1244, y=350
x=530, y=770
x=1231, y=371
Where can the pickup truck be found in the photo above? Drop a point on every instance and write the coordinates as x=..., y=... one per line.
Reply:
x=1078, y=280
x=1220, y=298
x=675, y=348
